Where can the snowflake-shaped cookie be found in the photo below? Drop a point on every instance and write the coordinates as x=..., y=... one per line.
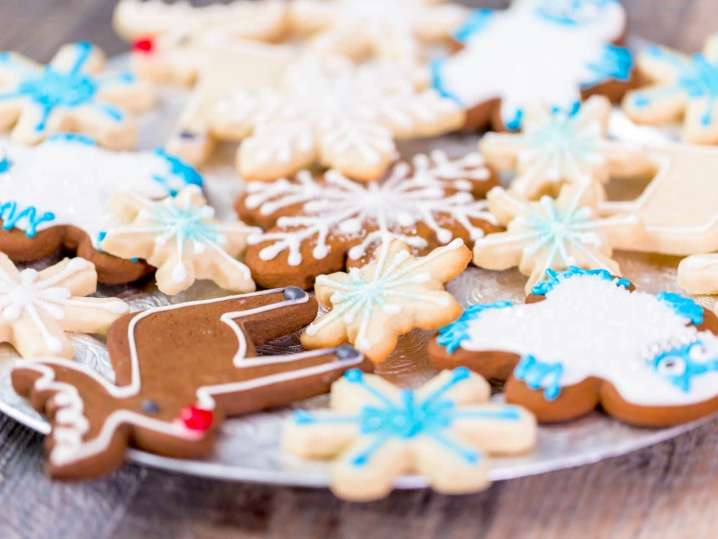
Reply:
x=313, y=224
x=537, y=51
x=171, y=41
x=38, y=307
x=559, y=147
x=392, y=30
x=683, y=86
x=70, y=94
x=180, y=237
x=371, y=306
x=444, y=431
x=328, y=111
x=549, y=234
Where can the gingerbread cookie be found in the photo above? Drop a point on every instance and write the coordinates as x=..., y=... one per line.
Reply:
x=585, y=338
x=330, y=112
x=550, y=234
x=371, y=306
x=698, y=274
x=70, y=94
x=682, y=87
x=181, y=238
x=319, y=225
x=446, y=430
x=398, y=30
x=55, y=195
x=163, y=399
x=38, y=307
x=557, y=148
x=677, y=210
x=170, y=41
x=546, y=51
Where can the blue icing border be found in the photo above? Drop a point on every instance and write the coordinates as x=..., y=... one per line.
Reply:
x=73, y=138
x=683, y=306
x=476, y=22
x=566, y=12
x=676, y=365
x=437, y=82
x=537, y=374
x=553, y=278
x=451, y=336
x=615, y=63
x=179, y=169
x=11, y=217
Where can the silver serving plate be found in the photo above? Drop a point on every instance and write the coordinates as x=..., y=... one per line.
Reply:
x=248, y=447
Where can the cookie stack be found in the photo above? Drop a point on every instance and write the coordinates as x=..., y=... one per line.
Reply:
x=346, y=237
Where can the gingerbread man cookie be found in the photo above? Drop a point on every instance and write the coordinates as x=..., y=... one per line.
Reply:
x=557, y=148
x=396, y=30
x=171, y=42
x=698, y=274
x=163, y=399
x=682, y=87
x=444, y=430
x=549, y=51
x=371, y=306
x=550, y=234
x=38, y=307
x=330, y=112
x=585, y=338
x=181, y=238
x=70, y=94
x=55, y=196
x=319, y=225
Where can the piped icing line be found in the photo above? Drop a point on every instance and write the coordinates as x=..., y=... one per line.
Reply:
x=69, y=446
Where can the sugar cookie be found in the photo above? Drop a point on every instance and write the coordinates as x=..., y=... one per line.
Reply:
x=698, y=274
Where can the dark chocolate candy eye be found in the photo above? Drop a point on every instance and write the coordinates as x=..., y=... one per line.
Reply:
x=346, y=352
x=672, y=365
x=187, y=135
x=292, y=292
x=150, y=407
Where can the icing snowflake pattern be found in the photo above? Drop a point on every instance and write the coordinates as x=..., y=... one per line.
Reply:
x=373, y=422
x=182, y=239
x=37, y=307
x=70, y=88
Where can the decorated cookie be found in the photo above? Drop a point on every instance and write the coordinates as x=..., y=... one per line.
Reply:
x=70, y=94
x=549, y=234
x=446, y=430
x=558, y=147
x=171, y=41
x=330, y=112
x=320, y=225
x=181, y=238
x=677, y=210
x=585, y=338
x=179, y=369
x=38, y=307
x=55, y=195
x=397, y=30
x=682, y=87
x=549, y=51
x=698, y=274
x=371, y=306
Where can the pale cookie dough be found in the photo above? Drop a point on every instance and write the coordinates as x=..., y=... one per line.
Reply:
x=698, y=274
x=445, y=431
x=71, y=94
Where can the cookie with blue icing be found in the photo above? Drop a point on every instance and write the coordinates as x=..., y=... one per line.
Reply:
x=585, y=338
x=551, y=52
x=72, y=93
x=55, y=195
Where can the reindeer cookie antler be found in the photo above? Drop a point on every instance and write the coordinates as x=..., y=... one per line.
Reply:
x=179, y=369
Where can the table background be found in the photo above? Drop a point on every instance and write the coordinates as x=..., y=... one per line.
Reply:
x=669, y=490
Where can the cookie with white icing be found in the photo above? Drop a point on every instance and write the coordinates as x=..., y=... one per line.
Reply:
x=445, y=431
x=553, y=52
x=56, y=195
x=585, y=338
x=39, y=307
x=72, y=93
x=320, y=224
x=179, y=370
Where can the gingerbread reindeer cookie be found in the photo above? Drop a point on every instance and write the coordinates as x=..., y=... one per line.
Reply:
x=179, y=369
x=70, y=94
x=315, y=225
x=585, y=338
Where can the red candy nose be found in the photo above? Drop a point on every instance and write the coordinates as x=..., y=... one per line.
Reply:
x=195, y=418
x=144, y=45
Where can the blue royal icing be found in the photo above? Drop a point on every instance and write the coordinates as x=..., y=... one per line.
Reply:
x=11, y=217
x=451, y=336
x=680, y=364
x=537, y=375
x=553, y=278
x=179, y=169
x=683, y=306
x=572, y=12
x=476, y=22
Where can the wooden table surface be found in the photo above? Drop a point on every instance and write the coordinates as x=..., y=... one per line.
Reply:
x=669, y=490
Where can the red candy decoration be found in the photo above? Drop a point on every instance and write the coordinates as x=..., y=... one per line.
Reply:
x=195, y=418
x=144, y=45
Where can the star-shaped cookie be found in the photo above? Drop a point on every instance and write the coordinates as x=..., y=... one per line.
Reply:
x=70, y=94
x=38, y=307
x=371, y=306
x=182, y=239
